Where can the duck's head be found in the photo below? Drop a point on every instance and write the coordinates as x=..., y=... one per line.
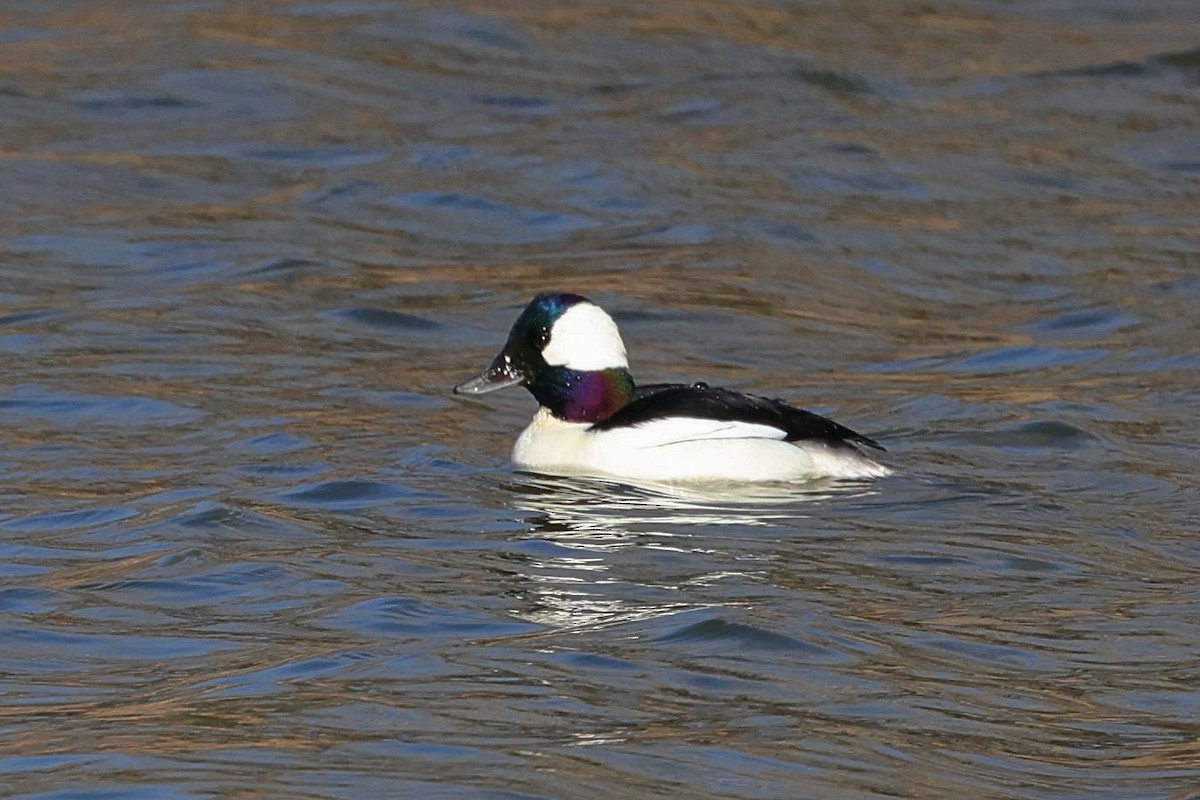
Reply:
x=568, y=353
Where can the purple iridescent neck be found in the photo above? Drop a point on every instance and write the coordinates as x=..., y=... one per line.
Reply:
x=578, y=396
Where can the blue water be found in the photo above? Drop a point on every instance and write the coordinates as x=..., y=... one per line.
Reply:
x=251, y=545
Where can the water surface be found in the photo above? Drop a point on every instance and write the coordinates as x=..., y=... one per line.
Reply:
x=251, y=545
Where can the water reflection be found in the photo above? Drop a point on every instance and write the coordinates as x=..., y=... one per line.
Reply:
x=584, y=524
x=570, y=508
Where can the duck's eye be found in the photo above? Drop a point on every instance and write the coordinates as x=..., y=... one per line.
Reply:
x=541, y=338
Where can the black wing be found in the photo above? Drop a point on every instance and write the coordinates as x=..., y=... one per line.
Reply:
x=701, y=401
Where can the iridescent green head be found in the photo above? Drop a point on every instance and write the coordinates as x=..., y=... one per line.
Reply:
x=568, y=353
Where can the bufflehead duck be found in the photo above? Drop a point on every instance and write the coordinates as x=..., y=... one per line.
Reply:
x=594, y=420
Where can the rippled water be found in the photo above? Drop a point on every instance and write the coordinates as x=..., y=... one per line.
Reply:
x=251, y=546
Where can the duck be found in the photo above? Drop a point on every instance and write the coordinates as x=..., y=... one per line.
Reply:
x=594, y=420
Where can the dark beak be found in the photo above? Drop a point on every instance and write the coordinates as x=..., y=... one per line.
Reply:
x=500, y=374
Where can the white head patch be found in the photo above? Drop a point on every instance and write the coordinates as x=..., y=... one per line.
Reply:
x=585, y=338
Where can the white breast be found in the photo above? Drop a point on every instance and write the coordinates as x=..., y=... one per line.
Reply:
x=684, y=449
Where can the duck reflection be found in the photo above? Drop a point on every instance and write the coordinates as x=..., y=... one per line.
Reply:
x=582, y=507
x=599, y=553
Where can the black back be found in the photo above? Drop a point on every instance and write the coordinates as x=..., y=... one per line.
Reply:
x=701, y=401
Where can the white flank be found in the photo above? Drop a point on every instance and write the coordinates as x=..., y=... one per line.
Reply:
x=677, y=430
x=684, y=449
x=585, y=338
